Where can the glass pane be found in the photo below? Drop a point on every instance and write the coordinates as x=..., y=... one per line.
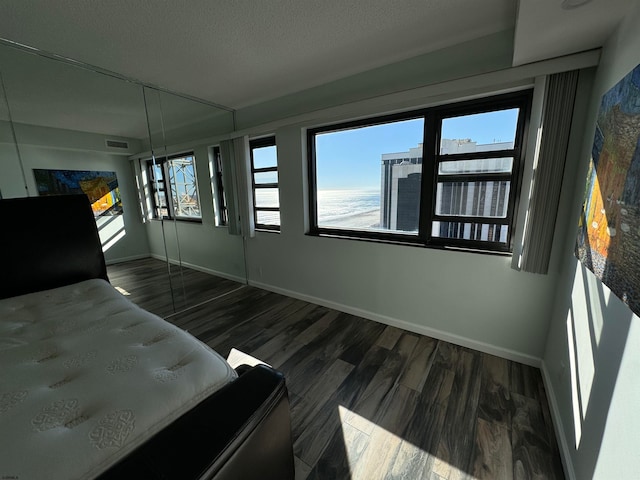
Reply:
x=157, y=172
x=267, y=197
x=480, y=132
x=471, y=231
x=268, y=218
x=476, y=199
x=184, y=193
x=160, y=198
x=265, y=177
x=368, y=178
x=265, y=157
x=483, y=165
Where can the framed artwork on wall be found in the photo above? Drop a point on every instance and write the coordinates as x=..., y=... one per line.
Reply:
x=101, y=187
x=608, y=241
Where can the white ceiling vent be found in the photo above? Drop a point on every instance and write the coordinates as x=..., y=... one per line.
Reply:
x=117, y=144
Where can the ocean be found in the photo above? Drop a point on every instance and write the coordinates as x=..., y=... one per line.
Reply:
x=349, y=208
x=358, y=209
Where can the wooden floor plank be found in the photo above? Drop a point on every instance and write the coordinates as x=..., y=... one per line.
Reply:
x=385, y=441
x=418, y=451
x=532, y=452
x=389, y=337
x=301, y=468
x=373, y=403
x=316, y=436
x=492, y=454
x=365, y=335
x=495, y=397
x=317, y=394
x=458, y=435
x=419, y=365
x=524, y=380
x=343, y=452
x=367, y=400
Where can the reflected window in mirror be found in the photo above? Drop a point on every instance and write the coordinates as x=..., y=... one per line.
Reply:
x=173, y=185
x=264, y=180
x=219, y=198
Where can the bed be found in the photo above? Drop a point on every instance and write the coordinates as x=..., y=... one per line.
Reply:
x=93, y=386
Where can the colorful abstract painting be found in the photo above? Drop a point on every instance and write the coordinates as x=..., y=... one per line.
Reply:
x=101, y=187
x=608, y=240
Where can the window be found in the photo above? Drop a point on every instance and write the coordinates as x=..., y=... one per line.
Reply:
x=264, y=180
x=447, y=176
x=173, y=187
x=218, y=188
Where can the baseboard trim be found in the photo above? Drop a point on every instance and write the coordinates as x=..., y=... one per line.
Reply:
x=412, y=327
x=558, y=426
x=127, y=259
x=210, y=271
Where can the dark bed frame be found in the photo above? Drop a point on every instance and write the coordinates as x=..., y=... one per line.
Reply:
x=240, y=432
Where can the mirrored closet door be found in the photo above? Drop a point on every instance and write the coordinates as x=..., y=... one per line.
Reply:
x=145, y=158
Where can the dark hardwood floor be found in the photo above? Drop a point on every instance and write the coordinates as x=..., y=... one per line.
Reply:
x=368, y=401
x=163, y=289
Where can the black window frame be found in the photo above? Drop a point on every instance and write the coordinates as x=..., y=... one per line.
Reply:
x=165, y=186
x=433, y=118
x=157, y=187
x=261, y=143
x=223, y=216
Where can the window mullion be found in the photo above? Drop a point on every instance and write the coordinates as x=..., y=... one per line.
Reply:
x=429, y=171
x=168, y=188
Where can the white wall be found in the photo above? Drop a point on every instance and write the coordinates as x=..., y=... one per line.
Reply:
x=592, y=372
x=471, y=299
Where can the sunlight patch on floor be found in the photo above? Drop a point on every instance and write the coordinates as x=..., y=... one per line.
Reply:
x=376, y=453
x=122, y=291
x=237, y=358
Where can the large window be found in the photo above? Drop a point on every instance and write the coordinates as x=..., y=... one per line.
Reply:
x=444, y=177
x=264, y=179
x=173, y=187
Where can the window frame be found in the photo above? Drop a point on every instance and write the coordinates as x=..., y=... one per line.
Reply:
x=163, y=164
x=433, y=118
x=261, y=143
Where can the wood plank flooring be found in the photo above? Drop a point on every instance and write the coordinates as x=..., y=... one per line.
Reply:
x=164, y=289
x=369, y=401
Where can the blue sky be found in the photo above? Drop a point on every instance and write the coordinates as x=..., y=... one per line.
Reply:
x=350, y=159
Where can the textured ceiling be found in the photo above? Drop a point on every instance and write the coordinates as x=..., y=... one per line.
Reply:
x=238, y=53
x=241, y=52
x=545, y=30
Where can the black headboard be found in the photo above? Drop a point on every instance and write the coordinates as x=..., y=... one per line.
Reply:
x=48, y=242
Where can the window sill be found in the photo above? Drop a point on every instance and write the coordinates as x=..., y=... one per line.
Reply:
x=181, y=220
x=406, y=242
x=267, y=230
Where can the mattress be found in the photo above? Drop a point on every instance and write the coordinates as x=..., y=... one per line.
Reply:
x=87, y=376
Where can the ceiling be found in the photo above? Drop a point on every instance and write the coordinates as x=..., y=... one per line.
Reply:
x=240, y=53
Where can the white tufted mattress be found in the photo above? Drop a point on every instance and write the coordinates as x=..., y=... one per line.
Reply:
x=86, y=376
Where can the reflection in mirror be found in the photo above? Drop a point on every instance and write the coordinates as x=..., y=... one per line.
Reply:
x=80, y=129
x=74, y=130
x=186, y=192
x=12, y=180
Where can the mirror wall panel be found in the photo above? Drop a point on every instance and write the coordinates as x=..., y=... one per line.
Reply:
x=186, y=204
x=12, y=179
x=68, y=118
